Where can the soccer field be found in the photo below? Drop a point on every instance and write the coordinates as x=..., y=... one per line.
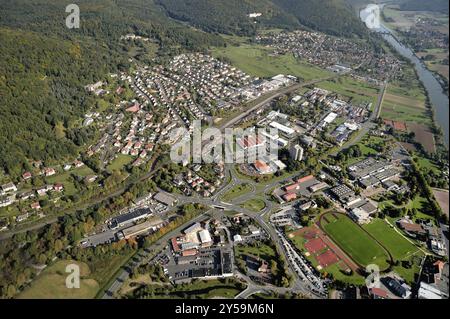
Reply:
x=398, y=246
x=351, y=238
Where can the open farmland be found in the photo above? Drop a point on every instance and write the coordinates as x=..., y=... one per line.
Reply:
x=423, y=136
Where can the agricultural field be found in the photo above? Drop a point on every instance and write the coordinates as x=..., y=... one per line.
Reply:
x=352, y=90
x=405, y=102
x=257, y=61
x=442, y=198
x=357, y=243
x=435, y=61
x=51, y=284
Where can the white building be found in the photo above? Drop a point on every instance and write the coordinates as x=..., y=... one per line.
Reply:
x=284, y=129
x=360, y=216
x=296, y=152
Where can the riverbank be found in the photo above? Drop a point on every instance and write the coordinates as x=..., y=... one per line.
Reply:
x=432, y=86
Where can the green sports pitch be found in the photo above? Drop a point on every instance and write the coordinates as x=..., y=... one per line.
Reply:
x=354, y=240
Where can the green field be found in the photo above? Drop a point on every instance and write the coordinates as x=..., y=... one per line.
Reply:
x=255, y=205
x=405, y=113
x=119, y=163
x=257, y=61
x=51, y=284
x=353, y=90
x=237, y=191
x=202, y=289
x=397, y=245
x=355, y=241
x=262, y=251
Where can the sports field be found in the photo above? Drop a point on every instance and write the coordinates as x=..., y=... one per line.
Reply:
x=397, y=245
x=351, y=238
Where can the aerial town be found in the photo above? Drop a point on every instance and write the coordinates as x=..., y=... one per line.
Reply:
x=356, y=190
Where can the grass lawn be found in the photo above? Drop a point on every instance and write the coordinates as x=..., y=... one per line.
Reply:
x=236, y=192
x=255, y=204
x=203, y=289
x=426, y=165
x=257, y=61
x=103, y=270
x=335, y=270
x=355, y=242
x=119, y=163
x=51, y=284
x=262, y=251
x=65, y=178
x=418, y=203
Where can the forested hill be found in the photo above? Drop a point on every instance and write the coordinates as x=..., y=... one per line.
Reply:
x=334, y=17
x=228, y=16
x=231, y=16
x=428, y=5
x=44, y=67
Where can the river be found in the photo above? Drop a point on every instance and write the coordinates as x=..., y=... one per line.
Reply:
x=437, y=97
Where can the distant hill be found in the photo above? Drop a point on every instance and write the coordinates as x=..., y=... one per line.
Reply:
x=230, y=16
x=227, y=17
x=428, y=5
x=334, y=17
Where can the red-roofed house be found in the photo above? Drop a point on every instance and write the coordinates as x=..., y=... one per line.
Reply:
x=262, y=167
x=305, y=179
x=58, y=187
x=292, y=187
x=134, y=109
x=289, y=197
x=119, y=90
x=189, y=252
x=26, y=175
x=49, y=171
x=175, y=246
x=378, y=293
